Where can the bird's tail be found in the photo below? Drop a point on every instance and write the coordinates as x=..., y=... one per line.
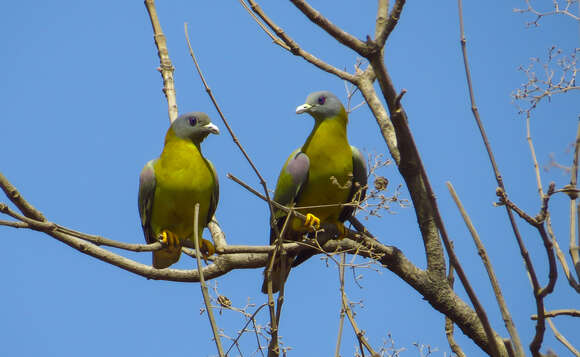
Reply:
x=280, y=271
x=279, y=274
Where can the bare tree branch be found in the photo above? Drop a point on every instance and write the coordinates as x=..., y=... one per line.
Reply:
x=384, y=32
x=449, y=323
x=557, y=10
x=166, y=68
x=12, y=193
x=337, y=33
x=575, y=233
x=540, y=327
x=562, y=312
x=202, y=284
x=509, y=324
x=563, y=339
x=293, y=47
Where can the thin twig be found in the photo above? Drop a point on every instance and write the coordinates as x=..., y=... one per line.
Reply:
x=273, y=347
x=336, y=32
x=166, y=68
x=563, y=339
x=231, y=132
x=203, y=285
x=250, y=319
x=449, y=326
x=574, y=235
x=534, y=159
x=561, y=258
x=276, y=40
x=359, y=334
x=99, y=240
x=509, y=324
x=561, y=312
x=295, y=49
x=12, y=193
x=342, y=312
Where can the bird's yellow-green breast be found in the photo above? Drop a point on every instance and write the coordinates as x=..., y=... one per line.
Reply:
x=330, y=172
x=184, y=177
x=170, y=187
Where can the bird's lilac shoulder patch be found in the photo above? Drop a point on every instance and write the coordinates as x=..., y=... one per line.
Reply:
x=298, y=168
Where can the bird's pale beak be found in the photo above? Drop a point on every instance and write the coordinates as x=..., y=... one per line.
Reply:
x=303, y=108
x=212, y=128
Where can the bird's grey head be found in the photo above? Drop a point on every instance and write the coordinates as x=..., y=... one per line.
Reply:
x=321, y=105
x=194, y=126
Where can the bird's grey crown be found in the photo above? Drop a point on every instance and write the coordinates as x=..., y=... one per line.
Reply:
x=331, y=107
x=182, y=127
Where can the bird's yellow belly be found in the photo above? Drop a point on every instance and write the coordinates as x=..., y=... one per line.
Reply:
x=329, y=184
x=175, y=199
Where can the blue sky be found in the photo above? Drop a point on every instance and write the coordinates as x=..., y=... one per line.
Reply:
x=83, y=112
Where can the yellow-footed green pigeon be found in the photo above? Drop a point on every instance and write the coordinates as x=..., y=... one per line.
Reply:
x=171, y=185
x=320, y=176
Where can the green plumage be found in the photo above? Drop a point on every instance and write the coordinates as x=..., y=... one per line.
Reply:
x=171, y=185
x=326, y=170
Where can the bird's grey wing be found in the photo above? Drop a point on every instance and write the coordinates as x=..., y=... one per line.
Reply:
x=292, y=178
x=215, y=195
x=147, y=184
x=359, y=183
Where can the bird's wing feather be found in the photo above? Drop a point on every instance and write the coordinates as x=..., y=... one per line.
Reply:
x=292, y=178
x=215, y=195
x=359, y=183
x=147, y=184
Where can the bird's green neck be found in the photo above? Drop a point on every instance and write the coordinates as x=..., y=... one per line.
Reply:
x=332, y=129
x=171, y=139
x=179, y=152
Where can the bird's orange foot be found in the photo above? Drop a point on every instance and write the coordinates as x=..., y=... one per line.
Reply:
x=170, y=239
x=312, y=221
x=206, y=248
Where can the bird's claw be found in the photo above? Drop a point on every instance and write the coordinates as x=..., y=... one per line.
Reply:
x=312, y=221
x=206, y=248
x=170, y=240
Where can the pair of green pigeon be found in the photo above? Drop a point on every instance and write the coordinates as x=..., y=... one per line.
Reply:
x=318, y=179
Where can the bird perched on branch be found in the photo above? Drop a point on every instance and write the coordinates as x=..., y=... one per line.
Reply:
x=321, y=176
x=171, y=185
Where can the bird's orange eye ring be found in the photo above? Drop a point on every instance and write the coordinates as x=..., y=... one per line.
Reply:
x=192, y=121
x=321, y=100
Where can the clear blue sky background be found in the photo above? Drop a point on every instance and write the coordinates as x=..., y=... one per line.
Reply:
x=82, y=111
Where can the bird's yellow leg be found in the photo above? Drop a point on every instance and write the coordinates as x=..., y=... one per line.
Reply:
x=206, y=247
x=312, y=221
x=341, y=230
x=170, y=239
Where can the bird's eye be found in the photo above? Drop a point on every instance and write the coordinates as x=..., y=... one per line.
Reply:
x=321, y=100
x=192, y=121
